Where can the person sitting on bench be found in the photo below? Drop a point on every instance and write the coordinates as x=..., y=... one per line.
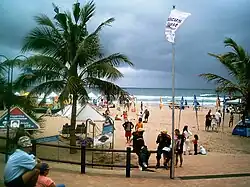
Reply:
x=22, y=168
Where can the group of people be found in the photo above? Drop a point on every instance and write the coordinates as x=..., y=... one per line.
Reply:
x=23, y=169
x=182, y=146
x=213, y=121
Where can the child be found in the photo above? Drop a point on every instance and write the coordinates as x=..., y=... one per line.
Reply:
x=179, y=149
x=231, y=121
x=125, y=115
x=195, y=142
x=43, y=180
x=214, y=122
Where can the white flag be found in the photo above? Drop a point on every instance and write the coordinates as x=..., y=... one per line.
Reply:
x=175, y=19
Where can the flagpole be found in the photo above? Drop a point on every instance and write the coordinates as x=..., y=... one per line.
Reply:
x=173, y=97
x=179, y=122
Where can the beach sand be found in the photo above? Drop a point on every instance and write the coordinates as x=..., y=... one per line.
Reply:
x=226, y=153
x=216, y=142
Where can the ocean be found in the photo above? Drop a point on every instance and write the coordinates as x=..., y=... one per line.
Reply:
x=152, y=95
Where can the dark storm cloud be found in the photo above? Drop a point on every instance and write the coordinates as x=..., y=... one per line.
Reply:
x=139, y=33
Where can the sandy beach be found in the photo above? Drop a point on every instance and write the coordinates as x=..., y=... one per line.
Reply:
x=161, y=120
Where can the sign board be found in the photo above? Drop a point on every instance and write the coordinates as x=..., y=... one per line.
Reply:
x=47, y=139
x=103, y=139
x=107, y=128
x=17, y=118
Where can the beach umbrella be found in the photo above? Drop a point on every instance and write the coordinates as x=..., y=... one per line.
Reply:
x=181, y=106
x=196, y=110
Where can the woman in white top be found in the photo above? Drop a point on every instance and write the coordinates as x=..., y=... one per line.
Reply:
x=187, y=134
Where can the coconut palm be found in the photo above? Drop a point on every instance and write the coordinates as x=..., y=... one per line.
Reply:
x=7, y=96
x=237, y=62
x=69, y=58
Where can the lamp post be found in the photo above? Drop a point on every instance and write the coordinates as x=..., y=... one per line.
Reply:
x=10, y=64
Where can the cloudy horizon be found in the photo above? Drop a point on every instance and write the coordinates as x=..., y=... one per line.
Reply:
x=138, y=32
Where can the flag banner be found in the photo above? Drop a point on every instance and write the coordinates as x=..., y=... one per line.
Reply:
x=175, y=19
x=195, y=103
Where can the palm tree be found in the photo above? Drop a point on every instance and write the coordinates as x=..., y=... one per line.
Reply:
x=237, y=62
x=7, y=96
x=69, y=58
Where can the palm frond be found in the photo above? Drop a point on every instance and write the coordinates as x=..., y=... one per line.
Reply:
x=36, y=77
x=104, y=86
x=103, y=24
x=43, y=62
x=44, y=40
x=44, y=20
x=48, y=87
x=87, y=12
x=88, y=50
x=106, y=67
x=220, y=81
x=76, y=11
x=229, y=42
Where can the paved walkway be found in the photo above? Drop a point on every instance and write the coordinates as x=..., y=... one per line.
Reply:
x=213, y=163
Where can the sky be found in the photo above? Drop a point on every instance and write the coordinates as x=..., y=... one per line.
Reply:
x=138, y=32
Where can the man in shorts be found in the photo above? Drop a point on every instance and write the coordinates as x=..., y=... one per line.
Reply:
x=128, y=126
x=22, y=168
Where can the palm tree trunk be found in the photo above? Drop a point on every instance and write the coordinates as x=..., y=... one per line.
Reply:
x=73, y=125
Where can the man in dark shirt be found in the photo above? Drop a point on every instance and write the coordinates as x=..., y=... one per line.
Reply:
x=163, y=140
x=128, y=126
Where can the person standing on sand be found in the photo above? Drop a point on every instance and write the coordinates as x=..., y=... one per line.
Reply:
x=22, y=168
x=208, y=120
x=139, y=125
x=141, y=106
x=218, y=103
x=186, y=146
x=179, y=149
x=128, y=126
x=231, y=120
x=146, y=115
x=218, y=117
x=161, y=104
x=195, y=142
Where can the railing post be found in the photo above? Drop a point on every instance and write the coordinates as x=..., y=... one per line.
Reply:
x=128, y=160
x=83, y=157
x=34, y=147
